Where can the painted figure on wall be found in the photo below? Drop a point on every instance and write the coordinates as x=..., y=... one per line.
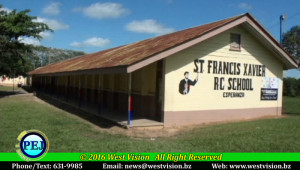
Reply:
x=184, y=85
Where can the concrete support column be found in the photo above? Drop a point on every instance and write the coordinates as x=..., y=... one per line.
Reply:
x=45, y=84
x=67, y=88
x=129, y=100
x=100, y=94
x=85, y=89
x=79, y=91
x=113, y=92
x=57, y=87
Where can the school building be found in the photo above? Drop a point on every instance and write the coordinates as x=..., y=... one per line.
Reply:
x=222, y=71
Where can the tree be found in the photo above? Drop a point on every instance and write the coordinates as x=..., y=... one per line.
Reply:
x=13, y=27
x=291, y=42
x=42, y=56
x=291, y=87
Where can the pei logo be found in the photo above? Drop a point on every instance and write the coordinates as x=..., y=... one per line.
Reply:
x=33, y=145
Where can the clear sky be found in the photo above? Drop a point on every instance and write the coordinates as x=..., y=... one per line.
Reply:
x=94, y=25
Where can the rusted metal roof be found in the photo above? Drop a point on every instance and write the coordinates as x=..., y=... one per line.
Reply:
x=132, y=53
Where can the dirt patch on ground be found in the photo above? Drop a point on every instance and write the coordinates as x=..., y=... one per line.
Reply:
x=151, y=133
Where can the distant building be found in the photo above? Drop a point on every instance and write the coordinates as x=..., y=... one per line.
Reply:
x=222, y=71
x=6, y=81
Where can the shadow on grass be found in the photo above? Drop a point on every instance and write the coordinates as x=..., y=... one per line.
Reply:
x=291, y=106
x=292, y=113
x=8, y=93
x=28, y=89
x=94, y=119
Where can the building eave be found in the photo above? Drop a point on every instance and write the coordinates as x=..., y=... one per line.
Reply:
x=108, y=70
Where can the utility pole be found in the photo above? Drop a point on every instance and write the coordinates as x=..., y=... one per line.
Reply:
x=13, y=80
x=282, y=18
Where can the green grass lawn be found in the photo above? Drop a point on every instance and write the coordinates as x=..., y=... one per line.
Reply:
x=68, y=133
x=8, y=88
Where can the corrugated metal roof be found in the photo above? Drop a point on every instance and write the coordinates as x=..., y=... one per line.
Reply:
x=132, y=53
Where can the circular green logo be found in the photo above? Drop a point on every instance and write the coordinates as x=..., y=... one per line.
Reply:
x=33, y=145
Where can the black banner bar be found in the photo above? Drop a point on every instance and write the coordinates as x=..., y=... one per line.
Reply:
x=148, y=165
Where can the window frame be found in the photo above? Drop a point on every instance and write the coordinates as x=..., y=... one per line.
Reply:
x=233, y=39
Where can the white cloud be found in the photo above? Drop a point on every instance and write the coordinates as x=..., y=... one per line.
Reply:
x=148, y=26
x=5, y=9
x=52, y=9
x=53, y=24
x=34, y=41
x=46, y=35
x=104, y=10
x=245, y=6
x=92, y=42
x=30, y=40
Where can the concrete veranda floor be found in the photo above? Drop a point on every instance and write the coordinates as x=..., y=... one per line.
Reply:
x=138, y=121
